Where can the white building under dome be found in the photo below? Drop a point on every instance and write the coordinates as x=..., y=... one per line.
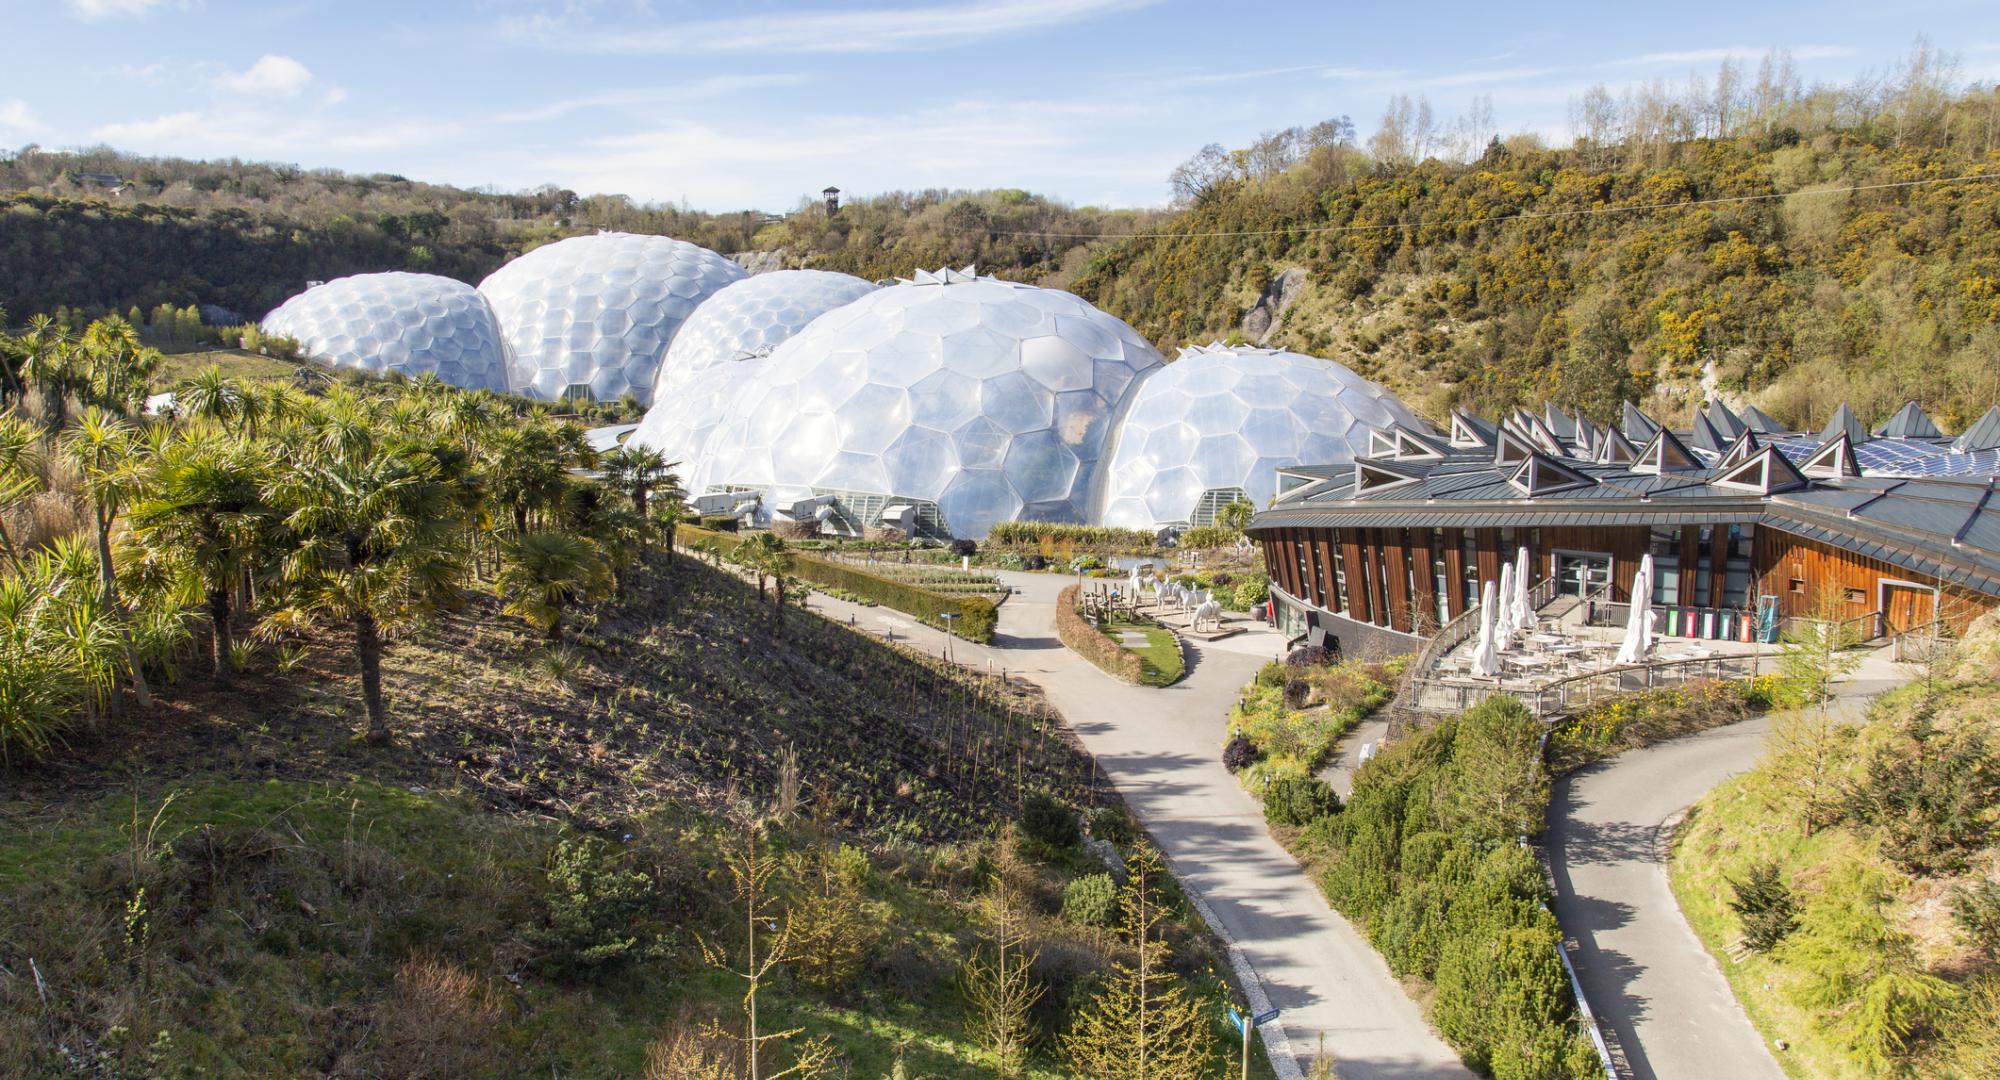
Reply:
x=593, y=315
x=1216, y=424
x=401, y=323
x=729, y=338
x=947, y=404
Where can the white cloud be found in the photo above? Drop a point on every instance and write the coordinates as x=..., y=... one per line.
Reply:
x=94, y=10
x=271, y=76
x=16, y=116
x=700, y=90
x=159, y=129
x=860, y=30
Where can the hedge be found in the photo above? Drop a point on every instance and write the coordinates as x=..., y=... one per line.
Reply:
x=977, y=615
x=1029, y=534
x=1087, y=641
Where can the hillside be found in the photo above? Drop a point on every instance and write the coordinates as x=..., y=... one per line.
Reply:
x=1849, y=886
x=247, y=235
x=524, y=882
x=1618, y=268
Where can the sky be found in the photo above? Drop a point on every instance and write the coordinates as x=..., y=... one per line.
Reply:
x=756, y=103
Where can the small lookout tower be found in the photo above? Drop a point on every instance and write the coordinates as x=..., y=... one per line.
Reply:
x=832, y=197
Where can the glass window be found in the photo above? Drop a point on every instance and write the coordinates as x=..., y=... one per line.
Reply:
x=1666, y=549
x=1468, y=568
x=1440, y=577
x=1339, y=573
x=1736, y=572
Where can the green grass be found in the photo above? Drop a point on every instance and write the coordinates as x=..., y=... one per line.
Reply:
x=234, y=363
x=1160, y=659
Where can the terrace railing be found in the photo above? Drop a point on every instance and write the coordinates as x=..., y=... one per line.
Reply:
x=1450, y=636
x=1571, y=693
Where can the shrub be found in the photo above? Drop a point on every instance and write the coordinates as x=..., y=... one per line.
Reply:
x=1093, y=644
x=1031, y=534
x=1113, y=825
x=1034, y=563
x=1929, y=795
x=977, y=615
x=1250, y=592
x=963, y=547
x=593, y=904
x=719, y=523
x=1764, y=904
x=1048, y=822
x=1299, y=800
x=1091, y=900
x=1203, y=537
x=1976, y=910
x=1240, y=753
x=1310, y=656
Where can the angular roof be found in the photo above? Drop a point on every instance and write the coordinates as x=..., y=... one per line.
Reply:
x=1909, y=423
x=1844, y=420
x=1984, y=434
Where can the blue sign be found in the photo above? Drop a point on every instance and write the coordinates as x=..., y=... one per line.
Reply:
x=1235, y=1018
x=1263, y=1018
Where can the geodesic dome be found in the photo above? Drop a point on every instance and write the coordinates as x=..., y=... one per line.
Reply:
x=596, y=313
x=730, y=334
x=969, y=400
x=397, y=322
x=1215, y=424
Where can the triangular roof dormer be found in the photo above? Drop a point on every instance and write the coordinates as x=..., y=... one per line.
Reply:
x=1760, y=421
x=1559, y=423
x=1984, y=434
x=1615, y=449
x=1745, y=445
x=1844, y=421
x=1909, y=423
x=1469, y=431
x=1381, y=444
x=1585, y=439
x=1539, y=434
x=1637, y=426
x=1371, y=476
x=1510, y=449
x=1726, y=423
x=1703, y=436
x=1834, y=458
x=1411, y=446
x=1767, y=473
x=1542, y=475
x=1664, y=454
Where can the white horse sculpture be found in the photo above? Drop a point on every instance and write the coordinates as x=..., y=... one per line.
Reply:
x=1208, y=612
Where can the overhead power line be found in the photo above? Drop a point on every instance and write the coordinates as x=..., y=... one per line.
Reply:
x=1593, y=211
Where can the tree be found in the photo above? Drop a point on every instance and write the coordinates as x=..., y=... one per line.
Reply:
x=667, y=514
x=1236, y=514
x=103, y=450
x=1499, y=786
x=203, y=510
x=544, y=573
x=57, y=648
x=51, y=366
x=1143, y=1024
x=115, y=368
x=1000, y=992
x=528, y=467
x=375, y=528
x=20, y=447
x=1763, y=904
x=637, y=471
x=211, y=395
x=1809, y=748
x=752, y=875
x=1931, y=794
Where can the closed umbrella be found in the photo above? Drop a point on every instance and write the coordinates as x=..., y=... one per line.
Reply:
x=1523, y=614
x=1503, y=608
x=1637, y=647
x=1486, y=656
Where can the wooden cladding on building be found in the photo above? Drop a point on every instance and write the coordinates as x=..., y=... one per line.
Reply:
x=1390, y=577
x=1801, y=572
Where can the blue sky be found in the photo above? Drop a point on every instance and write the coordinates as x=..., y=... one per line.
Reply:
x=756, y=103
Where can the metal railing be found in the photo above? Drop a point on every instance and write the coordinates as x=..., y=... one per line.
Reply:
x=1455, y=633
x=1573, y=692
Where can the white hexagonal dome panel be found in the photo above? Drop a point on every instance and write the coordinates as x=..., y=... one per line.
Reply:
x=599, y=312
x=1221, y=418
x=411, y=324
x=987, y=400
x=730, y=334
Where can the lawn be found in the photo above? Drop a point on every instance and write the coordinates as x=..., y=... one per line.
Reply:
x=234, y=363
x=1160, y=658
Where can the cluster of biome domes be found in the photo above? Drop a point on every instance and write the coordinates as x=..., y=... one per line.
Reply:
x=938, y=405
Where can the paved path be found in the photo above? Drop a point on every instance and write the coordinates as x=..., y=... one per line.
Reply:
x=1658, y=993
x=1162, y=748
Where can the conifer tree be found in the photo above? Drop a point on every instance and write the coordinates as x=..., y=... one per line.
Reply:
x=999, y=992
x=1143, y=1025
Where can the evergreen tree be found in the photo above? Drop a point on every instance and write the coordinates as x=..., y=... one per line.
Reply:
x=1143, y=1024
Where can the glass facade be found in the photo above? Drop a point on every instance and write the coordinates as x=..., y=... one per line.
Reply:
x=400, y=323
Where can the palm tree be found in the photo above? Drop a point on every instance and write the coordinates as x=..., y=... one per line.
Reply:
x=765, y=555
x=20, y=446
x=375, y=532
x=668, y=513
x=548, y=571
x=1235, y=515
x=528, y=467
x=209, y=394
x=12, y=355
x=637, y=471
x=51, y=366
x=203, y=508
x=117, y=369
x=103, y=450
x=55, y=646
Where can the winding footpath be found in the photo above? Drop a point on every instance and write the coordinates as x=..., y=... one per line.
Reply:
x=1660, y=997
x=1162, y=749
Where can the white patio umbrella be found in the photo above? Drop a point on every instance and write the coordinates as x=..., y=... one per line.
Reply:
x=1503, y=609
x=1637, y=647
x=1523, y=614
x=1485, y=656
